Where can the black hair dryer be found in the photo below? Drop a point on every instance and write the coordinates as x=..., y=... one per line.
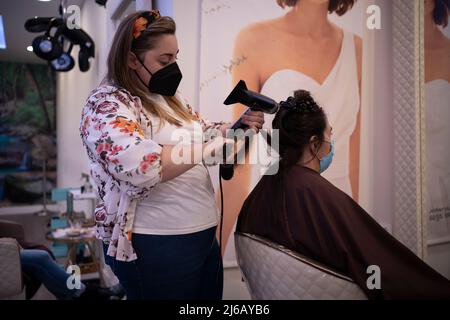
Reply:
x=255, y=102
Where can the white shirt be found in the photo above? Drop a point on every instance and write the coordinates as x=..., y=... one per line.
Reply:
x=184, y=204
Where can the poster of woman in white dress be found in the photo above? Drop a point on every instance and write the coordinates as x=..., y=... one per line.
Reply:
x=437, y=117
x=277, y=47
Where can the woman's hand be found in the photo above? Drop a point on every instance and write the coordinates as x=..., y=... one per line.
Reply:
x=253, y=119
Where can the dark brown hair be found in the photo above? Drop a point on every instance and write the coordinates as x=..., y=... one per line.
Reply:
x=297, y=120
x=440, y=12
x=338, y=6
x=297, y=125
x=121, y=75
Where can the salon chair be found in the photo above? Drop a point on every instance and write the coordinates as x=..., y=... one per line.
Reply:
x=273, y=272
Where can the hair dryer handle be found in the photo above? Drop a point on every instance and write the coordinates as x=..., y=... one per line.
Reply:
x=238, y=124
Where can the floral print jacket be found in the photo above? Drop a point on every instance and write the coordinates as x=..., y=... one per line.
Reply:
x=125, y=163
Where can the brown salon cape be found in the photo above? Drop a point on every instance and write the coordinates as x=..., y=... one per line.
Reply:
x=306, y=213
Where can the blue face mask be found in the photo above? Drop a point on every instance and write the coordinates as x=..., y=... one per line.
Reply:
x=326, y=161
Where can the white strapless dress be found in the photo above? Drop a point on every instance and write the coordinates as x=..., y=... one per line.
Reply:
x=338, y=95
x=437, y=135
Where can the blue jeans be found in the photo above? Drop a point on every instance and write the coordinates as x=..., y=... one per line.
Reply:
x=172, y=267
x=40, y=264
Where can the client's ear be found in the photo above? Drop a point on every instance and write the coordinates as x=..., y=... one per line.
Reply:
x=132, y=61
x=314, y=144
x=314, y=140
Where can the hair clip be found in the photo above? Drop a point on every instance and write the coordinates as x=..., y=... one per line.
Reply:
x=289, y=104
x=144, y=20
x=305, y=105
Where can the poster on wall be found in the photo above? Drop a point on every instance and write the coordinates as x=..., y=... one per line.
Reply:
x=437, y=116
x=278, y=47
x=27, y=133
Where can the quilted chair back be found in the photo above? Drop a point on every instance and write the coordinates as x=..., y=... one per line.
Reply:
x=11, y=285
x=273, y=272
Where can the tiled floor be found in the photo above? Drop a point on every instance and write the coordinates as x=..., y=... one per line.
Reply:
x=233, y=286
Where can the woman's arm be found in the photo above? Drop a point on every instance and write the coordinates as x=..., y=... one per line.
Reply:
x=253, y=119
x=245, y=65
x=356, y=135
x=354, y=158
x=172, y=169
x=114, y=138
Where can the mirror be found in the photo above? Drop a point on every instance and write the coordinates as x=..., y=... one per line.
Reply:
x=437, y=131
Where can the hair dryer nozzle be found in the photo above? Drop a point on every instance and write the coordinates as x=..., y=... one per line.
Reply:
x=253, y=100
x=238, y=93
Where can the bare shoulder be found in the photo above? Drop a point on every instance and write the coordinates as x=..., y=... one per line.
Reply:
x=357, y=40
x=255, y=34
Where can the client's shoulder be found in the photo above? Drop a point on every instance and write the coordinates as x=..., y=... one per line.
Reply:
x=304, y=177
x=300, y=178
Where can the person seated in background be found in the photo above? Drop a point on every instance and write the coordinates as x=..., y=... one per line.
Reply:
x=39, y=267
x=304, y=212
x=40, y=264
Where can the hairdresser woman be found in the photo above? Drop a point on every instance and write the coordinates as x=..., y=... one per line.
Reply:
x=157, y=217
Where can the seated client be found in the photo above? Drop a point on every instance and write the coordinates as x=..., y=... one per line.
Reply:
x=304, y=212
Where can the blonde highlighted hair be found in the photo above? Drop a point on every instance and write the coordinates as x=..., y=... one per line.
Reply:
x=121, y=75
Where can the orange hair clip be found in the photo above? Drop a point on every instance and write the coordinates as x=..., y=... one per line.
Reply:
x=143, y=21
